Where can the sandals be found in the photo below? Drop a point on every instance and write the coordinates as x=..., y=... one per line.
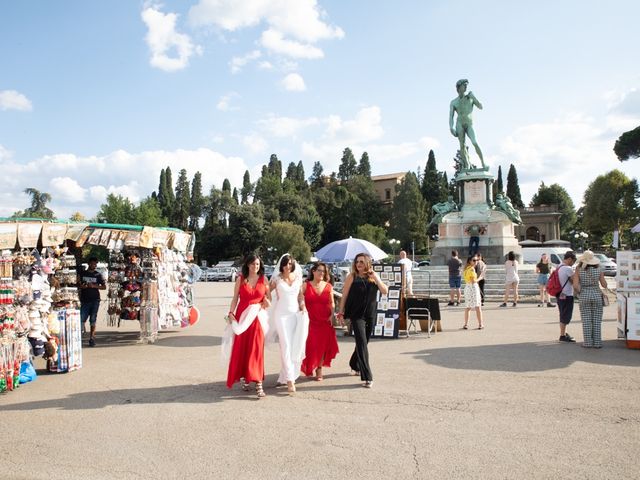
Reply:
x=464, y=327
x=319, y=374
x=291, y=388
x=259, y=391
x=481, y=327
x=245, y=385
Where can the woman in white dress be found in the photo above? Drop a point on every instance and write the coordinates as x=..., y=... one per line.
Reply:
x=290, y=319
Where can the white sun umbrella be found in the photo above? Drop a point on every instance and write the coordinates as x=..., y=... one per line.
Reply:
x=636, y=229
x=347, y=249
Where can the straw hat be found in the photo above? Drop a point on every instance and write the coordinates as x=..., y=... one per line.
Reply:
x=588, y=258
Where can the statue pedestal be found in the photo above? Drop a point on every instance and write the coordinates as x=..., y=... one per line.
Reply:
x=476, y=208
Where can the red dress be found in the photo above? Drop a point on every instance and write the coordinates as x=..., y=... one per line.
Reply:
x=247, y=354
x=322, y=345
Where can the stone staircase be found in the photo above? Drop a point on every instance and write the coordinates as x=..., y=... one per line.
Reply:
x=434, y=281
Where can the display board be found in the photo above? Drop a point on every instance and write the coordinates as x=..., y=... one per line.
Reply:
x=387, y=324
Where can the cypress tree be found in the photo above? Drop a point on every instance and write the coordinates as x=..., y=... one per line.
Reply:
x=513, y=188
x=247, y=188
x=364, y=167
x=197, y=202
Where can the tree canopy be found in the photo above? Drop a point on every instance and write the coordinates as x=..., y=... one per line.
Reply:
x=557, y=195
x=628, y=145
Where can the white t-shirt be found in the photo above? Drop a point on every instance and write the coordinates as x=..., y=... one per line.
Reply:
x=408, y=265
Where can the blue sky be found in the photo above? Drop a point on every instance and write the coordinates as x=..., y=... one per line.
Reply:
x=97, y=97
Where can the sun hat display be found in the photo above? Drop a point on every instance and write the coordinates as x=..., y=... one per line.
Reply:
x=588, y=258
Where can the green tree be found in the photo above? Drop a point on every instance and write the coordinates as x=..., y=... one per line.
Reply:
x=628, y=145
x=513, y=188
x=182, y=204
x=247, y=228
x=317, y=178
x=409, y=219
x=610, y=202
x=247, y=188
x=498, y=187
x=117, y=209
x=371, y=233
x=196, y=208
x=286, y=237
x=38, y=208
x=364, y=167
x=348, y=166
x=149, y=213
x=431, y=182
x=557, y=195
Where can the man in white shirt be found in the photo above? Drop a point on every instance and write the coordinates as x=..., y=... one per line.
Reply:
x=565, y=298
x=407, y=265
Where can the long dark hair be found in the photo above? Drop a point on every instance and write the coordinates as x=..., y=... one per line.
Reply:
x=511, y=256
x=250, y=258
x=286, y=258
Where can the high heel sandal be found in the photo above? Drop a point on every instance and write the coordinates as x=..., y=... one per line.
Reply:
x=245, y=385
x=291, y=388
x=319, y=374
x=259, y=390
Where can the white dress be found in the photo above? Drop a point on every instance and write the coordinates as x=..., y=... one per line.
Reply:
x=292, y=327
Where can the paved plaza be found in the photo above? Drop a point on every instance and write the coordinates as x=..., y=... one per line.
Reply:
x=506, y=402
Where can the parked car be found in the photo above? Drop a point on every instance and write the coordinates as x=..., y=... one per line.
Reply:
x=224, y=274
x=268, y=270
x=424, y=263
x=609, y=266
x=208, y=274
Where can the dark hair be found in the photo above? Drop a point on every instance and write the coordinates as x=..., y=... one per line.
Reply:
x=470, y=259
x=250, y=258
x=454, y=253
x=92, y=259
x=326, y=277
x=286, y=258
x=511, y=256
x=569, y=254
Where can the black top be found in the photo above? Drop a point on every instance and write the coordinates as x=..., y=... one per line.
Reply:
x=88, y=277
x=362, y=299
x=543, y=267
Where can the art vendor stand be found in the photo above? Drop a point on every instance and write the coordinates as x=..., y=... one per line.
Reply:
x=387, y=324
x=628, y=296
x=39, y=301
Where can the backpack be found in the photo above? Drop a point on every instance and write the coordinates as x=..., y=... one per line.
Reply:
x=553, y=286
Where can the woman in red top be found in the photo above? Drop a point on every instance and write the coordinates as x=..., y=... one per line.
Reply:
x=249, y=297
x=322, y=346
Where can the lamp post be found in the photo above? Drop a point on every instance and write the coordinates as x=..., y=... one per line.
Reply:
x=393, y=242
x=581, y=239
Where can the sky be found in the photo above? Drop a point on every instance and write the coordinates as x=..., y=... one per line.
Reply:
x=98, y=97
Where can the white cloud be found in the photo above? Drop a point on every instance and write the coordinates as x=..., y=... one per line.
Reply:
x=255, y=143
x=170, y=50
x=67, y=189
x=300, y=20
x=12, y=100
x=238, y=63
x=571, y=151
x=275, y=42
x=94, y=177
x=264, y=65
x=366, y=126
x=294, y=82
x=4, y=154
x=224, y=104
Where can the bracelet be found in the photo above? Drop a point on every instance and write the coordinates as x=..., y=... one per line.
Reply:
x=231, y=313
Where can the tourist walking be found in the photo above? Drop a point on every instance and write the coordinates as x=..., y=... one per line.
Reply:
x=511, y=279
x=358, y=303
x=587, y=280
x=565, y=298
x=472, y=298
x=248, y=324
x=91, y=282
x=543, y=269
x=455, y=278
x=481, y=271
x=290, y=319
x=322, y=345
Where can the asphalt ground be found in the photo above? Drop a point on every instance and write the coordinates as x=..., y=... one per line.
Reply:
x=506, y=402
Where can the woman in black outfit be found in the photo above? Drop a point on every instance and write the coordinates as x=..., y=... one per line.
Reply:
x=358, y=303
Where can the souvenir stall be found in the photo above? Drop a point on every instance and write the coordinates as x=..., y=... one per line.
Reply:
x=150, y=281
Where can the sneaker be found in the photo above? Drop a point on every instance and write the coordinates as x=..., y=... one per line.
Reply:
x=92, y=342
x=550, y=304
x=503, y=305
x=539, y=304
x=368, y=384
x=567, y=338
x=514, y=304
x=450, y=304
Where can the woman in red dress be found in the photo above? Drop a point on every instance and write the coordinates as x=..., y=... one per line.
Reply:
x=322, y=346
x=249, y=297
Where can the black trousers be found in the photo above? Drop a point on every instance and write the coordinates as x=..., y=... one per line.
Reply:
x=360, y=358
x=474, y=245
x=481, y=285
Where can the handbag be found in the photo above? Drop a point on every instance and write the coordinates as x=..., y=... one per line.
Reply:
x=605, y=299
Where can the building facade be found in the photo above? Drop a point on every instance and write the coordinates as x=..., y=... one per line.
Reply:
x=540, y=223
x=385, y=186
